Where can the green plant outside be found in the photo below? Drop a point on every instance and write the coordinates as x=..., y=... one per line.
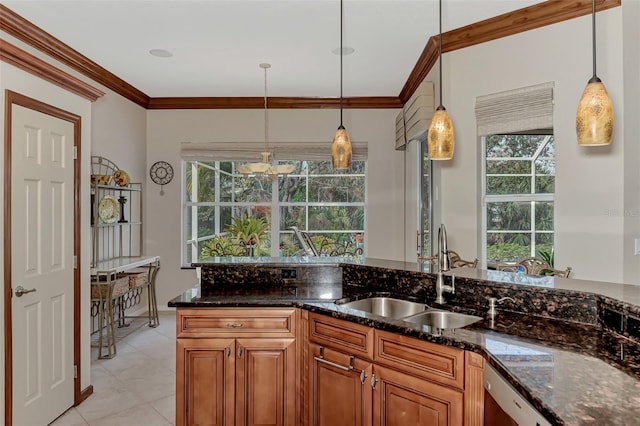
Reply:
x=248, y=231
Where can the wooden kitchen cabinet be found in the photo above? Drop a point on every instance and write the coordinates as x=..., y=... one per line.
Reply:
x=400, y=399
x=340, y=390
x=411, y=382
x=236, y=367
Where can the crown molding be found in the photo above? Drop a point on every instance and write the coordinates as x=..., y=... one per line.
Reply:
x=518, y=21
x=521, y=20
x=25, y=31
x=36, y=66
x=273, y=103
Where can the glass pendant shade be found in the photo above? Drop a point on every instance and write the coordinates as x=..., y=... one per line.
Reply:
x=341, y=149
x=440, y=138
x=594, y=119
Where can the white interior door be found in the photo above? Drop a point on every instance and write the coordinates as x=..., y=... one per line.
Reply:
x=42, y=196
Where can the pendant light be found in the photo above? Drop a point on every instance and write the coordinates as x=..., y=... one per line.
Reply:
x=341, y=146
x=265, y=169
x=440, y=140
x=594, y=119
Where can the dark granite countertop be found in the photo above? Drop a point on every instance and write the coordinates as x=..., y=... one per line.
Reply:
x=575, y=372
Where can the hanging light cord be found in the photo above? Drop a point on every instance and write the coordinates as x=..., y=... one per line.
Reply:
x=341, y=54
x=440, y=51
x=593, y=34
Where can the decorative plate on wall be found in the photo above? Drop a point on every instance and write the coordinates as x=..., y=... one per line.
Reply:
x=161, y=173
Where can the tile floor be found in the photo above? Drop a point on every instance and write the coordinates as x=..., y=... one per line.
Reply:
x=137, y=387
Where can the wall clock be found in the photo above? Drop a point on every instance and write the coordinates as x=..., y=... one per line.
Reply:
x=161, y=173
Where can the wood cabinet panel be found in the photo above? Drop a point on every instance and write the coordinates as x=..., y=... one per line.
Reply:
x=474, y=390
x=400, y=399
x=353, y=338
x=441, y=364
x=205, y=382
x=236, y=322
x=340, y=392
x=265, y=382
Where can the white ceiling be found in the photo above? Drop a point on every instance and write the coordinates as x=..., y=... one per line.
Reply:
x=217, y=45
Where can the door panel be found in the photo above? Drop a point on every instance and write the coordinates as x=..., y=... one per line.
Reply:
x=337, y=395
x=400, y=399
x=42, y=212
x=265, y=380
x=205, y=382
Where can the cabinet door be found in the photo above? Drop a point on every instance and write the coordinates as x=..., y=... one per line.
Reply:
x=265, y=381
x=400, y=400
x=205, y=382
x=340, y=391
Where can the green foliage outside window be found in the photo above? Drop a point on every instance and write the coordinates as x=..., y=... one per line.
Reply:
x=520, y=182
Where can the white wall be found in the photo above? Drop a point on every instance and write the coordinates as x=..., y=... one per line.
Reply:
x=631, y=72
x=590, y=182
x=166, y=129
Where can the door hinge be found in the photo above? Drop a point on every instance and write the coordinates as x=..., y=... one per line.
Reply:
x=75, y=152
x=75, y=262
x=75, y=371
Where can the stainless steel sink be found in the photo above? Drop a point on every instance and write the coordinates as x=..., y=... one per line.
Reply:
x=387, y=307
x=442, y=319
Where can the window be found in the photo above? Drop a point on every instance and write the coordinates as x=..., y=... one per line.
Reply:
x=219, y=204
x=518, y=190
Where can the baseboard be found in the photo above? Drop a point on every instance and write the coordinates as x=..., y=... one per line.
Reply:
x=165, y=308
x=85, y=393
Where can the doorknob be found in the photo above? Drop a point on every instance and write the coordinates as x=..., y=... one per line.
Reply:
x=21, y=290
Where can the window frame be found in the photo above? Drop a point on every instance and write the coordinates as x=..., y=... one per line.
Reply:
x=274, y=205
x=531, y=197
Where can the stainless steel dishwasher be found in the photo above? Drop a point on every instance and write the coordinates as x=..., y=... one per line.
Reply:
x=504, y=406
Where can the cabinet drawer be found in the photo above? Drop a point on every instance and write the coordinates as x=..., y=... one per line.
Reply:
x=235, y=322
x=440, y=364
x=345, y=336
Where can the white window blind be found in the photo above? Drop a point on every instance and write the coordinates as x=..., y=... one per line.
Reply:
x=250, y=151
x=526, y=108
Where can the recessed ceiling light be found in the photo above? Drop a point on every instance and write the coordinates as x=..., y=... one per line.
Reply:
x=345, y=51
x=161, y=53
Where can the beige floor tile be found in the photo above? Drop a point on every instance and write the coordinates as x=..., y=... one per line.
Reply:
x=110, y=401
x=167, y=407
x=142, y=415
x=70, y=418
x=153, y=387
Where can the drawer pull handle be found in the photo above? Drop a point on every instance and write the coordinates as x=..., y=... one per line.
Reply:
x=341, y=367
x=333, y=364
x=373, y=381
x=227, y=351
x=239, y=351
x=234, y=325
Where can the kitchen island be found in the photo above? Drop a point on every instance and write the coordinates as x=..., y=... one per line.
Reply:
x=572, y=354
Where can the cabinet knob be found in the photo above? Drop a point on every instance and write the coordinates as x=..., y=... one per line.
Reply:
x=239, y=351
x=373, y=381
x=227, y=351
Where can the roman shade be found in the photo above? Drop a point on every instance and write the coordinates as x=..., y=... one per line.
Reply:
x=512, y=111
x=401, y=136
x=250, y=151
x=414, y=119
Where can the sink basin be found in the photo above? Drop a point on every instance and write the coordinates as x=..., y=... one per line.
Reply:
x=442, y=319
x=387, y=307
